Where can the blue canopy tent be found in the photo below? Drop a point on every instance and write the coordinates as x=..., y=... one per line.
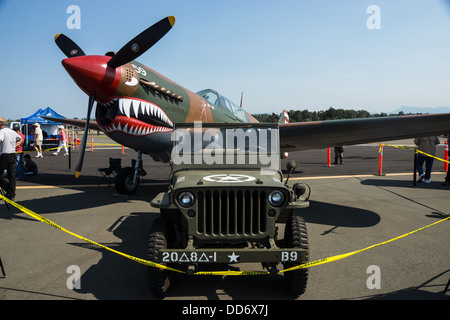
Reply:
x=36, y=117
x=49, y=128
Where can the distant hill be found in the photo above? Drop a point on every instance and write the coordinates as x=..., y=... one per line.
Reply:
x=414, y=110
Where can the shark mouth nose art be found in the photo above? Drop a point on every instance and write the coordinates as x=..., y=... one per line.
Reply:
x=133, y=117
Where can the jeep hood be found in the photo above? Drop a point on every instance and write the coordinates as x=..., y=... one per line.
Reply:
x=226, y=178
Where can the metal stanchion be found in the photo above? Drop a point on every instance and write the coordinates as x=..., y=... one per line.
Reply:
x=446, y=156
x=3, y=269
x=446, y=287
x=3, y=193
x=415, y=168
x=70, y=157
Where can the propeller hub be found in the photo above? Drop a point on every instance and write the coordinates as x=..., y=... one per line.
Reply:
x=93, y=76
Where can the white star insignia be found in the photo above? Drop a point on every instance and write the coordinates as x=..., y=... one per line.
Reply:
x=233, y=257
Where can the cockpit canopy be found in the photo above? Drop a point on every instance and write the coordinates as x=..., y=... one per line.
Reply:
x=226, y=105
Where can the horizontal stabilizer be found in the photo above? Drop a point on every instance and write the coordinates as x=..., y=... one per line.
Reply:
x=75, y=122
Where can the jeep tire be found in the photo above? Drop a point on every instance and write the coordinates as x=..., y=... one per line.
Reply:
x=161, y=237
x=296, y=237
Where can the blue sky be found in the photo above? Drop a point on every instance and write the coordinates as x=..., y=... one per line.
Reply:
x=282, y=54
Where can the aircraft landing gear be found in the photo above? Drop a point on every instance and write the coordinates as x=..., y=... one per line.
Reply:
x=127, y=180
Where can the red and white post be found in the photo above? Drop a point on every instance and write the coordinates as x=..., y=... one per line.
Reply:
x=329, y=157
x=380, y=160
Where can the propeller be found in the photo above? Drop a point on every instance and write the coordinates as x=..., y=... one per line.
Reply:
x=84, y=139
x=68, y=47
x=133, y=49
x=142, y=42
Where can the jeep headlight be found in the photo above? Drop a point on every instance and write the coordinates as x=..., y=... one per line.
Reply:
x=186, y=199
x=276, y=198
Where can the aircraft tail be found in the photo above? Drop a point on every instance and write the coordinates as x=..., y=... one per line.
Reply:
x=284, y=117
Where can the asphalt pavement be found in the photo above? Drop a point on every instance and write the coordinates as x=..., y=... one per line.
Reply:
x=351, y=208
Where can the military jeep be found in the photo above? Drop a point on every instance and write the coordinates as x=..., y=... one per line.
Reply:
x=227, y=204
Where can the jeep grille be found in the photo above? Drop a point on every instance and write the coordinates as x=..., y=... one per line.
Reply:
x=235, y=212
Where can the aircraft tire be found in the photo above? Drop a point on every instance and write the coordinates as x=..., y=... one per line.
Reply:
x=124, y=181
x=296, y=237
x=162, y=234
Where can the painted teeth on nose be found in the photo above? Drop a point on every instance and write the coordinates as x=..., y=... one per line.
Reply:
x=131, y=107
x=121, y=106
x=136, y=105
x=125, y=106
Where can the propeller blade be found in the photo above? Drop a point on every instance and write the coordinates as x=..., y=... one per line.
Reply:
x=142, y=42
x=68, y=47
x=84, y=140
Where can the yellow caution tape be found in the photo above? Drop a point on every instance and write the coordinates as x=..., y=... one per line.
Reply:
x=72, y=144
x=398, y=146
x=429, y=155
x=43, y=150
x=50, y=223
x=345, y=255
x=219, y=273
x=416, y=150
x=231, y=273
x=105, y=144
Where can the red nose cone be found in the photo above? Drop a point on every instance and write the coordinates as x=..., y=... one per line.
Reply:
x=93, y=76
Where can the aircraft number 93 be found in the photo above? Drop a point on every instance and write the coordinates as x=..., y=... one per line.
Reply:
x=139, y=70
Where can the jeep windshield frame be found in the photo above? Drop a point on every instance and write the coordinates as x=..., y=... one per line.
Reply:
x=225, y=146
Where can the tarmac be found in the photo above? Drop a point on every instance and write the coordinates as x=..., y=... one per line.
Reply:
x=351, y=208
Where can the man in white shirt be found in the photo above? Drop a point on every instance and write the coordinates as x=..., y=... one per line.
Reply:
x=9, y=140
x=38, y=138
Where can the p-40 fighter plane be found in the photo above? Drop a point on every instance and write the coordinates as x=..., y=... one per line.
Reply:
x=137, y=107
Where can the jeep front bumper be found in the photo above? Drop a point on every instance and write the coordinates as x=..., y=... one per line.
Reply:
x=231, y=255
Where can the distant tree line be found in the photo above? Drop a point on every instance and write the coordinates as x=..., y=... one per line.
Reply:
x=330, y=114
x=306, y=115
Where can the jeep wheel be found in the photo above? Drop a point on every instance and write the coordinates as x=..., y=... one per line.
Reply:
x=161, y=237
x=296, y=237
x=124, y=181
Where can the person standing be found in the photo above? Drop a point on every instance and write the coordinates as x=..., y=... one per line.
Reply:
x=428, y=146
x=9, y=140
x=20, y=173
x=62, y=141
x=339, y=154
x=38, y=138
x=447, y=177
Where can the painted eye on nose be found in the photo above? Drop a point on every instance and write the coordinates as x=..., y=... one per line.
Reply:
x=132, y=82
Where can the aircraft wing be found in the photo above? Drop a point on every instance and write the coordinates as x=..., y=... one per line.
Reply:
x=75, y=122
x=323, y=134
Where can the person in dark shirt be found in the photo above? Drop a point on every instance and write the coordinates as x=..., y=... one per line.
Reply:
x=339, y=154
x=31, y=168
